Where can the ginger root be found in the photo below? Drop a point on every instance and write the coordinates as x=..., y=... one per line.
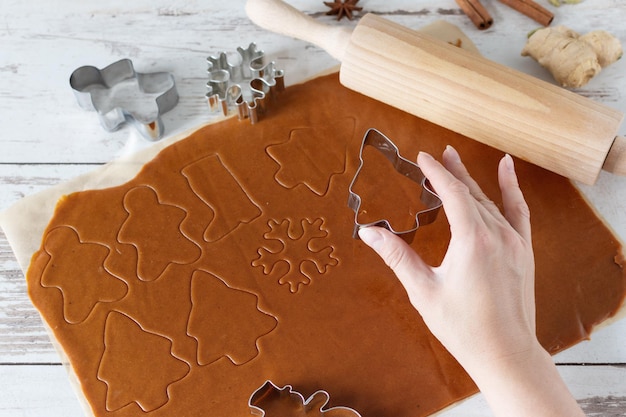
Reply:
x=572, y=59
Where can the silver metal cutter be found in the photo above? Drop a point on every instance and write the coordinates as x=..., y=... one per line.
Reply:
x=114, y=90
x=244, y=86
x=407, y=168
x=292, y=404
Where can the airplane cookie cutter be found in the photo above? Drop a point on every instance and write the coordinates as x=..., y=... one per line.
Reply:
x=245, y=86
x=112, y=93
x=405, y=167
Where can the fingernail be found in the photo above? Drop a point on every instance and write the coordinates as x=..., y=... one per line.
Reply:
x=508, y=162
x=423, y=154
x=371, y=237
x=453, y=154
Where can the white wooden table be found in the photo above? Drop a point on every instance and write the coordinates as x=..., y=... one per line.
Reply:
x=46, y=138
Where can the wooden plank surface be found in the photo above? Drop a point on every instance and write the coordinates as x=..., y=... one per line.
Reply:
x=46, y=139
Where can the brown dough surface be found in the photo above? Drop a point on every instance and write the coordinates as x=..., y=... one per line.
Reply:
x=229, y=260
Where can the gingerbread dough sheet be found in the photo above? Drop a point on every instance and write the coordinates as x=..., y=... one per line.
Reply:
x=229, y=260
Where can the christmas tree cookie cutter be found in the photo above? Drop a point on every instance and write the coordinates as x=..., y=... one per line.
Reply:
x=119, y=94
x=245, y=86
x=405, y=167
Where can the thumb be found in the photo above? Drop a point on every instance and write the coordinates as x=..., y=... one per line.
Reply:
x=408, y=266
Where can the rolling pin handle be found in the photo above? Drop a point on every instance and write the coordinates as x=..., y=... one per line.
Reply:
x=280, y=17
x=615, y=161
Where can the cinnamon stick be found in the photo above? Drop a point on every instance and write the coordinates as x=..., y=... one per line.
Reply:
x=476, y=12
x=531, y=9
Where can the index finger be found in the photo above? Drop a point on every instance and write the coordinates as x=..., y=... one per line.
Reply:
x=458, y=203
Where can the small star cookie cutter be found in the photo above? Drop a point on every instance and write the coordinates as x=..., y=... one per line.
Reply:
x=270, y=400
x=111, y=92
x=405, y=167
x=244, y=86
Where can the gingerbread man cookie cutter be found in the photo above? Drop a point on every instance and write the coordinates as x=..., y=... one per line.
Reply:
x=244, y=86
x=95, y=90
x=405, y=167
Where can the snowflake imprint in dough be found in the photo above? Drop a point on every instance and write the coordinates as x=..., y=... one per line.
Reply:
x=294, y=254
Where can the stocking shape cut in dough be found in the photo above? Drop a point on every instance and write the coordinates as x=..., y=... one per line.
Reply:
x=219, y=189
x=225, y=321
x=154, y=229
x=137, y=366
x=76, y=280
x=295, y=255
x=310, y=157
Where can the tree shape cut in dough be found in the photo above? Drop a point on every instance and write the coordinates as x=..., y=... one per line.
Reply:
x=137, y=366
x=310, y=156
x=271, y=401
x=82, y=284
x=218, y=188
x=295, y=255
x=154, y=229
x=225, y=321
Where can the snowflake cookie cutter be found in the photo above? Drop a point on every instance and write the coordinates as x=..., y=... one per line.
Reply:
x=270, y=400
x=245, y=86
x=405, y=167
x=94, y=87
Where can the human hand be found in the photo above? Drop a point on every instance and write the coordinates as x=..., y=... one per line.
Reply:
x=480, y=301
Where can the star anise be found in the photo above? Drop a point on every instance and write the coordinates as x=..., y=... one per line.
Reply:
x=343, y=8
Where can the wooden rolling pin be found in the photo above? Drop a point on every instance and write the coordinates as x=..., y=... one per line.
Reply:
x=466, y=93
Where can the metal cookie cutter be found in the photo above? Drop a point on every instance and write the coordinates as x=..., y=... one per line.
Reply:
x=409, y=169
x=285, y=402
x=244, y=86
x=114, y=90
